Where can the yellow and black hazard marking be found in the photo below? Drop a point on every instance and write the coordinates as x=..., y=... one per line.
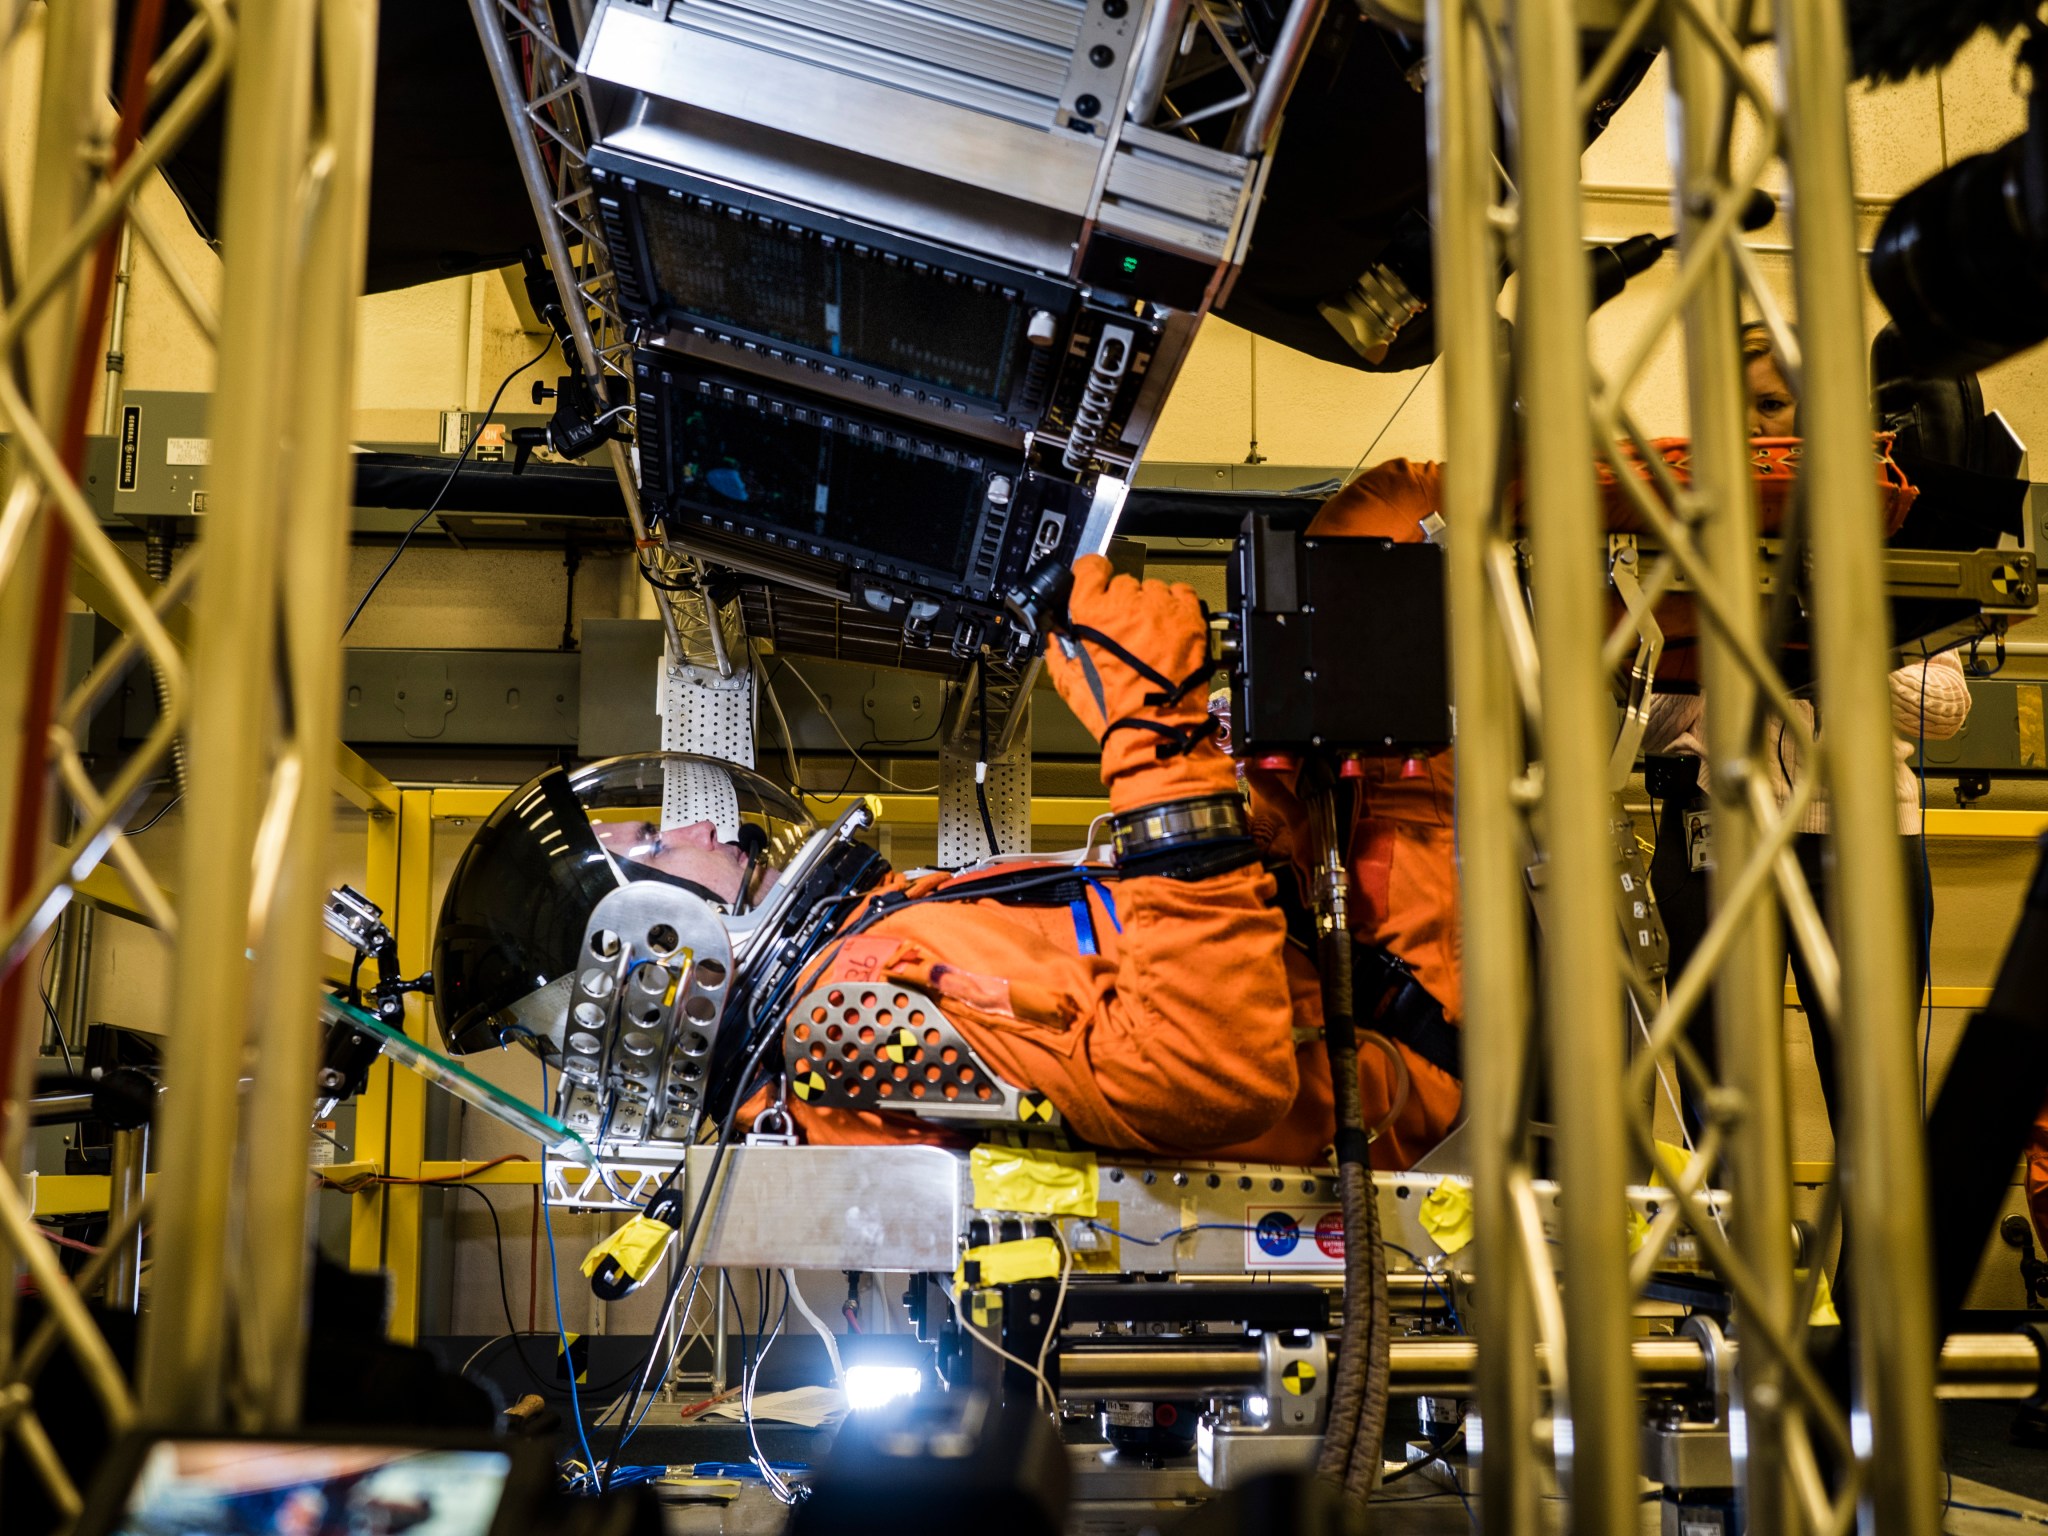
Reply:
x=572, y=1353
x=901, y=1042
x=1298, y=1377
x=1035, y=1108
x=808, y=1084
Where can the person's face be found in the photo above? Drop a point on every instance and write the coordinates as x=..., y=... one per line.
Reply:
x=1772, y=409
x=693, y=853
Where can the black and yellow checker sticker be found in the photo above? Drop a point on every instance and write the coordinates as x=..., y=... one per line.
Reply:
x=901, y=1042
x=572, y=1357
x=1035, y=1108
x=1298, y=1377
x=808, y=1084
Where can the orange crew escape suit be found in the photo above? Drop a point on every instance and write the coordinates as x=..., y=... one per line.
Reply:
x=1194, y=1029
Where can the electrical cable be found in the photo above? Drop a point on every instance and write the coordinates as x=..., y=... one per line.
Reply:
x=435, y=505
x=555, y=1280
x=162, y=811
x=1389, y=422
x=50, y=1008
x=512, y=1329
x=852, y=750
x=988, y=825
x=817, y=1323
x=1927, y=887
x=1059, y=1306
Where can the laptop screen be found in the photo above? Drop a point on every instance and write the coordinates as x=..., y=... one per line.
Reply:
x=264, y=1488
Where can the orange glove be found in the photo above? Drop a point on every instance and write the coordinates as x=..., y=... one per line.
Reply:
x=1134, y=667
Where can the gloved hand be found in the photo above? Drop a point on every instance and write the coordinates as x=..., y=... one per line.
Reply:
x=1133, y=665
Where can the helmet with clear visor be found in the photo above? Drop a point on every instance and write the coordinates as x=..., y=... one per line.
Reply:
x=515, y=944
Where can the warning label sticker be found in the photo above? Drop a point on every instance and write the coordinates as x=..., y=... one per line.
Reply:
x=1293, y=1237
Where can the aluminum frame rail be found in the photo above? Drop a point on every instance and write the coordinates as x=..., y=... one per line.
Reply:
x=544, y=112
x=1534, y=771
x=225, y=1335
x=224, y=1338
x=49, y=538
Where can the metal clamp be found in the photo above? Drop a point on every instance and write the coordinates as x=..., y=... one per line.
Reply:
x=1177, y=824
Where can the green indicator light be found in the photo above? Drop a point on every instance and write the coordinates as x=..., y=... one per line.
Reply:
x=1130, y=265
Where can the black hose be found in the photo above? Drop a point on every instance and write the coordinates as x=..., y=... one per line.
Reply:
x=1348, y=1384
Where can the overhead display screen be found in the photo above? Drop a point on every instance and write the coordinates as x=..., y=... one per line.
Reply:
x=825, y=297
x=849, y=485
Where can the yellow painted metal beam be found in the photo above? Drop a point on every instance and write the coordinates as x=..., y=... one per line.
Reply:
x=413, y=926
x=373, y=1107
x=1995, y=825
x=1944, y=997
x=70, y=1194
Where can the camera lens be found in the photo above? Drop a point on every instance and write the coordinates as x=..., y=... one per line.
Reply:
x=1960, y=270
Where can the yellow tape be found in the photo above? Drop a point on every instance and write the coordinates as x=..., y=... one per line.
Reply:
x=1678, y=1157
x=1446, y=1215
x=638, y=1246
x=1033, y=1258
x=1032, y=1182
x=1638, y=1229
x=1824, y=1314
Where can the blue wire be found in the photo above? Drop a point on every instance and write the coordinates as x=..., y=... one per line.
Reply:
x=1459, y=1489
x=1167, y=1237
x=1995, y=1509
x=1926, y=883
x=561, y=1330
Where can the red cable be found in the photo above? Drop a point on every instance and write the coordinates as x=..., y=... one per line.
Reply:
x=52, y=578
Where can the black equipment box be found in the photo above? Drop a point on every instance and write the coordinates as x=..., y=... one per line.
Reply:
x=1341, y=644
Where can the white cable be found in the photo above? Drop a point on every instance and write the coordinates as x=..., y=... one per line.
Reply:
x=1059, y=1304
x=854, y=751
x=818, y=1324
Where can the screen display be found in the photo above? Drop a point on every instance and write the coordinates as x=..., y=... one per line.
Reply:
x=856, y=487
x=263, y=1488
x=831, y=300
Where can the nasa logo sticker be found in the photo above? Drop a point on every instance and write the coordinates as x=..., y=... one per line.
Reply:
x=1277, y=1234
x=1293, y=1237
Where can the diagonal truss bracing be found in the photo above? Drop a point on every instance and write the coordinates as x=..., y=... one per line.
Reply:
x=1535, y=766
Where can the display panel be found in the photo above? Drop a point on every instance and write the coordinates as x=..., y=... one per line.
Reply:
x=834, y=297
x=818, y=475
x=274, y=1488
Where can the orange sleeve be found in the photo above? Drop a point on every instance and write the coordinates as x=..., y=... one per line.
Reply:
x=1388, y=501
x=1177, y=1037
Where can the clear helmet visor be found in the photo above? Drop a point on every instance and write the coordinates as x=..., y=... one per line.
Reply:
x=512, y=922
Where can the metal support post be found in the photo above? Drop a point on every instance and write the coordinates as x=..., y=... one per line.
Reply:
x=1006, y=781
x=1497, y=980
x=1883, y=1165
x=413, y=925
x=185, y=1348
x=273, y=1235
x=1581, y=992
x=1748, y=984
x=127, y=1165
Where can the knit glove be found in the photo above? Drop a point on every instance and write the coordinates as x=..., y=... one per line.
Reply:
x=1133, y=665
